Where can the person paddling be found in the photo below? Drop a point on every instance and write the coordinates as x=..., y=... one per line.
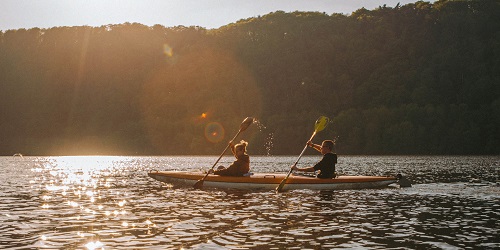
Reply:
x=327, y=163
x=240, y=166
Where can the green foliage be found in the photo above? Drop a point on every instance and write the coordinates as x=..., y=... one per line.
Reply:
x=415, y=79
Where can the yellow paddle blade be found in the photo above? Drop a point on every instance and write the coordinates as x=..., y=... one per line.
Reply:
x=321, y=123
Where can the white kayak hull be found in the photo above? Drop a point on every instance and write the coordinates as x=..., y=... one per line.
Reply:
x=269, y=181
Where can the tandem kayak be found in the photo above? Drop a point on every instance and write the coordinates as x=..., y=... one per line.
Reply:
x=268, y=181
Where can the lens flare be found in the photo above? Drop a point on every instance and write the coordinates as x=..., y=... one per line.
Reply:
x=167, y=50
x=214, y=132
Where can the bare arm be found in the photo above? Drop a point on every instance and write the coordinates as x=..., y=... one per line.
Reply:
x=315, y=146
x=307, y=169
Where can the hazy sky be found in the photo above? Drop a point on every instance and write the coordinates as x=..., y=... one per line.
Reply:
x=16, y=14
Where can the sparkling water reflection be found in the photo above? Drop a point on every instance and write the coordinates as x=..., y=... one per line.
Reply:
x=110, y=203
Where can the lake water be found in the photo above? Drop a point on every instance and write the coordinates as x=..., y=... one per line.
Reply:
x=111, y=203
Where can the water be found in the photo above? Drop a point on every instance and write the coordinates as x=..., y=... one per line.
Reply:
x=111, y=203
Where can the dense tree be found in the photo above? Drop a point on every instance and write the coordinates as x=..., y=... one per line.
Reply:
x=421, y=78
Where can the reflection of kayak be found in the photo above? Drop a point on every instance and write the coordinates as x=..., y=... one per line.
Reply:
x=272, y=180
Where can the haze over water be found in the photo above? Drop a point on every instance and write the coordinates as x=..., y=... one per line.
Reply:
x=110, y=202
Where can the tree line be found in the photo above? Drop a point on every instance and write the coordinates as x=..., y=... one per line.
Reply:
x=422, y=78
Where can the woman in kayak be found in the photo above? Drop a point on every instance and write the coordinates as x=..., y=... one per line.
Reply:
x=327, y=164
x=239, y=167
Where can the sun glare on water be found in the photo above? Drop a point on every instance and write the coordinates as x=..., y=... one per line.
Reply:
x=86, y=162
x=94, y=245
x=83, y=185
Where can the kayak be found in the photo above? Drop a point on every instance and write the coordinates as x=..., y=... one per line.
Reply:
x=268, y=181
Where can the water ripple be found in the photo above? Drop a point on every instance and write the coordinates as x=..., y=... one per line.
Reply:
x=109, y=202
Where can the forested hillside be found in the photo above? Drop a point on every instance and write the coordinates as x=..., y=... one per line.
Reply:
x=421, y=78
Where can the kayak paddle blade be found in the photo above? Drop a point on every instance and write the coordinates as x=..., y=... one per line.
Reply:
x=321, y=123
x=198, y=184
x=280, y=187
x=246, y=123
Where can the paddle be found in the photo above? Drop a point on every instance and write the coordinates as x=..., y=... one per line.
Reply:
x=244, y=125
x=318, y=126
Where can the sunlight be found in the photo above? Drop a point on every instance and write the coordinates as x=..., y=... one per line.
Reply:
x=94, y=245
x=210, y=72
x=77, y=178
x=73, y=203
x=87, y=162
x=79, y=169
x=55, y=188
x=121, y=203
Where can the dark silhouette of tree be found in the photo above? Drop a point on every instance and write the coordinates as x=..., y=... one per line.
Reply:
x=420, y=78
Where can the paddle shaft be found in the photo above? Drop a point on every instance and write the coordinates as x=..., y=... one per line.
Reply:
x=283, y=182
